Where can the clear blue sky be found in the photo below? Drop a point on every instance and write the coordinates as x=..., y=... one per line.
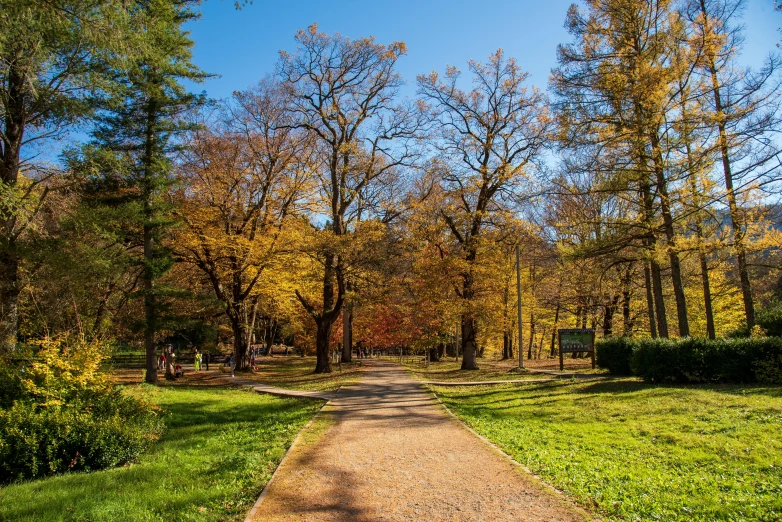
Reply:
x=242, y=46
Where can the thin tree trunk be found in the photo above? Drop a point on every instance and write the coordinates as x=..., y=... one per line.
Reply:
x=9, y=298
x=556, y=325
x=347, y=333
x=670, y=236
x=735, y=214
x=650, y=301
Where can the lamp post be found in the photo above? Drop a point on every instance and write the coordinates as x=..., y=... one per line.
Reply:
x=518, y=293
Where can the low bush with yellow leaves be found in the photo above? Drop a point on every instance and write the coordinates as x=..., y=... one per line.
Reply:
x=58, y=412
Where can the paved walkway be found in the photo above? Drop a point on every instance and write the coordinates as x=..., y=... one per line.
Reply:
x=392, y=453
x=255, y=385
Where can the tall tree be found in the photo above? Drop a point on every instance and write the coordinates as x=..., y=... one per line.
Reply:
x=343, y=94
x=138, y=134
x=54, y=57
x=616, y=86
x=240, y=182
x=488, y=140
x=744, y=111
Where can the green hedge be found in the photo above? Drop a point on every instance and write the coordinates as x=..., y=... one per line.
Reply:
x=615, y=354
x=694, y=360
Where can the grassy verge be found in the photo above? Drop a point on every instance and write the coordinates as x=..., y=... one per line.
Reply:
x=297, y=373
x=220, y=448
x=449, y=371
x=632, y=451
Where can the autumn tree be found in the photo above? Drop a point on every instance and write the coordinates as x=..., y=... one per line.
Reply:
x=742, y=108
x=342, y=94
x=488, y=140
x=240, y=180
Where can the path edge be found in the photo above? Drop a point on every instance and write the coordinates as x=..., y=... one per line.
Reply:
x=545, y=485
x=265, y=491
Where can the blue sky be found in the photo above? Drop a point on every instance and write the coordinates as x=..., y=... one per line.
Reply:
x=242, y=46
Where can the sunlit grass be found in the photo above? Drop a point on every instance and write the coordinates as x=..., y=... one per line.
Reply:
x=632, y=451
x=298, y=373
x=220, y=448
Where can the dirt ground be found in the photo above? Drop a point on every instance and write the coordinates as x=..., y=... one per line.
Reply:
x=390, y=452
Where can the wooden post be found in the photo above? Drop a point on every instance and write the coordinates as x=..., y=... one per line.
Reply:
x=520, y=346
x=559, y=343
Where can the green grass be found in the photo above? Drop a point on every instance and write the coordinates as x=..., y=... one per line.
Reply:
x=219, y=450
x=297, y=373
x=449, y=371
x=632, y=451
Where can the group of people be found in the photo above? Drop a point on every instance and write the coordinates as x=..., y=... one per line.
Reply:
x=167, y=361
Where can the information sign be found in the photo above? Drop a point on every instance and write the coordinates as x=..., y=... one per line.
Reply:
x=573, y=340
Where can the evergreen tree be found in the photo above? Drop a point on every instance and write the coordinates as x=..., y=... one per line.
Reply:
x=134, y=142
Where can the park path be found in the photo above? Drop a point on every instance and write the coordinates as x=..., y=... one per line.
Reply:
x=390, y=453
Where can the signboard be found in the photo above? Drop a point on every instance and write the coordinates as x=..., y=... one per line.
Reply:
x=573, y=340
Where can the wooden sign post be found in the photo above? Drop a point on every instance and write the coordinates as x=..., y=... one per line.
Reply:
x=576, y=340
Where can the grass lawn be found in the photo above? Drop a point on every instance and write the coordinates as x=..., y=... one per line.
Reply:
x=449, y=370
x=632, y=451
x=219, y=450
x=297, y=373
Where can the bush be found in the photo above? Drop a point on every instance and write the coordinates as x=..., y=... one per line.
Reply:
x=614, y=354
x=693, y=360
x=66, y=416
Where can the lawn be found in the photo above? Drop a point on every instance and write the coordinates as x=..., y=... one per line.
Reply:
x=632, y=451
x=297, y=373
x=449, y=370
x=220, y=448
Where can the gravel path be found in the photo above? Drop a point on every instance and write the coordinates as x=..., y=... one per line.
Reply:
x=392, y=453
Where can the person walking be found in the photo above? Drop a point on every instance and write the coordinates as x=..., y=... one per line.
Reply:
x=232, y=362
x=197, y=361
x=206, y=359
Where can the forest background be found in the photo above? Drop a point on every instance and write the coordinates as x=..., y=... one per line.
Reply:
x=332, y=188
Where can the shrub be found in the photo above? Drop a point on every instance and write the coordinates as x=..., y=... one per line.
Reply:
x=66, y=416
x=692, y=360
x=770, y=318
x=614, y=354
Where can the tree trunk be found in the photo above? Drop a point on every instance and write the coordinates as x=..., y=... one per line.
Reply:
x=240, y=348
x=150, y=309
x=347, y=334
x=531, y=334
x=627, y=322
x=469, y=345
x=554, y=333
x=9, y=298
x=322, y=352
x=650, y=301
x=659, y=302
x=14, y=118
x=608, y=316
x=735, y=214
x=670, y=236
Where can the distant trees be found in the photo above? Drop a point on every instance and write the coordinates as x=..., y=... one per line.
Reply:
x=318, y=200
x=240, y=181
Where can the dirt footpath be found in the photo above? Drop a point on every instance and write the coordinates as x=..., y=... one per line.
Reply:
x=393, y=453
